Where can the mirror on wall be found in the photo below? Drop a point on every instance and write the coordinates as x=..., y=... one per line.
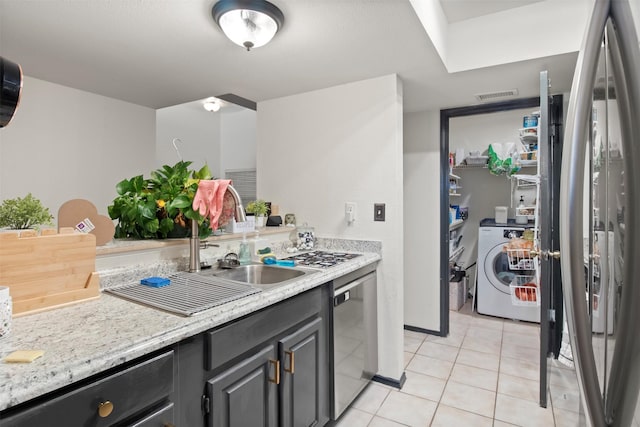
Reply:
x=224, y=139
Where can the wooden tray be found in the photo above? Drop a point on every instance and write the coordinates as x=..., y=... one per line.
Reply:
x=50, y=270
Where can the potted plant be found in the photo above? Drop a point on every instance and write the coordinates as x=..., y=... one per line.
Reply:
x=22, y=213
x=259, y=209
x=161, y=206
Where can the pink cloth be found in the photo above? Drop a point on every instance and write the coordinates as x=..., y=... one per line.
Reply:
x=209, y=199
x=204, y=200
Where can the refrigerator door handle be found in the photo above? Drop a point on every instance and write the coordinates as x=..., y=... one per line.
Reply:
x=624, y=386
x=571, y=208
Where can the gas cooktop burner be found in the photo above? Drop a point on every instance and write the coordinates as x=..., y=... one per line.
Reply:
x=321, y=259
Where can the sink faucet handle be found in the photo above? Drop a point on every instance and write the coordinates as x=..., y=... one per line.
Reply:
x=206, y=244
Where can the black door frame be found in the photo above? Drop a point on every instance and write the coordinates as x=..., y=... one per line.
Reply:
x=445, y=116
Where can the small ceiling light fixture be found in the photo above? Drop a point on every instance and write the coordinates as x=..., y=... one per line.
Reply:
x=211, y=105
x=248, y=23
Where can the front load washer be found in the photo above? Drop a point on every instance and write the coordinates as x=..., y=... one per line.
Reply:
x=494, y=275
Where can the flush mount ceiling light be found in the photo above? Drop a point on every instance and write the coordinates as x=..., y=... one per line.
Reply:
x=248, y=23
x=10, y=88
x=213, y=105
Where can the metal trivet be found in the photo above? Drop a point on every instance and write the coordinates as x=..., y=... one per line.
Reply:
x=188, y=293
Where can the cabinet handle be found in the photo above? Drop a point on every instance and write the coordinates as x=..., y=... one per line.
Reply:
x=105, y=409
x=291, y=361
x=276, y=367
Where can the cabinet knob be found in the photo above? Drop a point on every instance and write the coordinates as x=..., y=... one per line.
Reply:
x=105, y=409
x=291, y=355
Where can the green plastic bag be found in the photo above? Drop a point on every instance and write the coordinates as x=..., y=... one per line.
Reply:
x=501, y=160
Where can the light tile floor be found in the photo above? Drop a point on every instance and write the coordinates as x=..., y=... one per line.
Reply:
x=485, y=373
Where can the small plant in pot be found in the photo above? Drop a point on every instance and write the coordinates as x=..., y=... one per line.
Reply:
x=23, y=213
x=259, y=209
x=161, y=206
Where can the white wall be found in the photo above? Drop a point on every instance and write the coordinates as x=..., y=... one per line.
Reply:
x=223, y=140
x=422, y=220
x=337, y=145
x=65, y=143
x=199, y=131
x=476, y=132
x=238, y=140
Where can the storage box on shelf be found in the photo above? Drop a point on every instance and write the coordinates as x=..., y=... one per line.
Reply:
x=526, y=211
x=241, y=227
x=476, y=160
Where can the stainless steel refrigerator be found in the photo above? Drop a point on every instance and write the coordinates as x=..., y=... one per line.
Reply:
x=599, y=226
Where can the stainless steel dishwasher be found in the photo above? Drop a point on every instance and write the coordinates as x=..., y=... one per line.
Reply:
x=355, y=336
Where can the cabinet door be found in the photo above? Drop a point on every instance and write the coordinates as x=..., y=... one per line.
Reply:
x=245, y=394
x=303, y=394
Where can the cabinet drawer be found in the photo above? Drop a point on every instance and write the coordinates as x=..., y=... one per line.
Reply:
x=163, y=417
x=127, y=392
x=229, y=341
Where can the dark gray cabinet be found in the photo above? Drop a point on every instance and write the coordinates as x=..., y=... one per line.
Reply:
x=271, y=368
x=137, y=395
x=301, y=357
x=282, y=384
x=246, y=394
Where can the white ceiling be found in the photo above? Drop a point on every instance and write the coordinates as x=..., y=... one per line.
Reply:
x=165, y=52
x=461, y=10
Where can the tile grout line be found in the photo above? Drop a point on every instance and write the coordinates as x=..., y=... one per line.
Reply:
x=446, y=383
x=495, y=402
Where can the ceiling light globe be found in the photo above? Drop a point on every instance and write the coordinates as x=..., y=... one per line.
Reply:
x=248, y=23
x=248, y=28
x=211, y=106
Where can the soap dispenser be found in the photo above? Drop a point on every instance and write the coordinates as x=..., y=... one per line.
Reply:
x=244, y=254
x=521, y=217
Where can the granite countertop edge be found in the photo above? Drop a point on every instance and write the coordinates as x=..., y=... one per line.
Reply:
x=97, y=335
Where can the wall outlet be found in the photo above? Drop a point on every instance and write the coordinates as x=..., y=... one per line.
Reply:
x=378, y=211
x=350, y=212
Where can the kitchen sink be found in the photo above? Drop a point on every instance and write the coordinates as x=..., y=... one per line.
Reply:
x=259, y=274
x=188, y=293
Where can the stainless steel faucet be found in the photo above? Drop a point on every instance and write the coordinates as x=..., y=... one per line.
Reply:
x=194, y=241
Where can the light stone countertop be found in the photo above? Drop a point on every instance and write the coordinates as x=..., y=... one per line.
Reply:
x=87, y=338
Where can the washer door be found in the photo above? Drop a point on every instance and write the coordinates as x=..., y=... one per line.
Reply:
x=496, y=267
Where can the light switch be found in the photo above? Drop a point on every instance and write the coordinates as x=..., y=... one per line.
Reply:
x=378, y=211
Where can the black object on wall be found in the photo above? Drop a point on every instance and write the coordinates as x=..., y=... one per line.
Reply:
x=10, y=88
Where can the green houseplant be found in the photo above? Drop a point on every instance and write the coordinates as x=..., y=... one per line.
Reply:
x=21, y=213
x=259, y=209
x=161, y=206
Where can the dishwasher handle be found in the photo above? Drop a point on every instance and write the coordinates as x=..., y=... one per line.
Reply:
x=343, y=294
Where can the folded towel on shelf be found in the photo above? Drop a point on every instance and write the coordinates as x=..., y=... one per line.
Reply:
x=209, y=199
